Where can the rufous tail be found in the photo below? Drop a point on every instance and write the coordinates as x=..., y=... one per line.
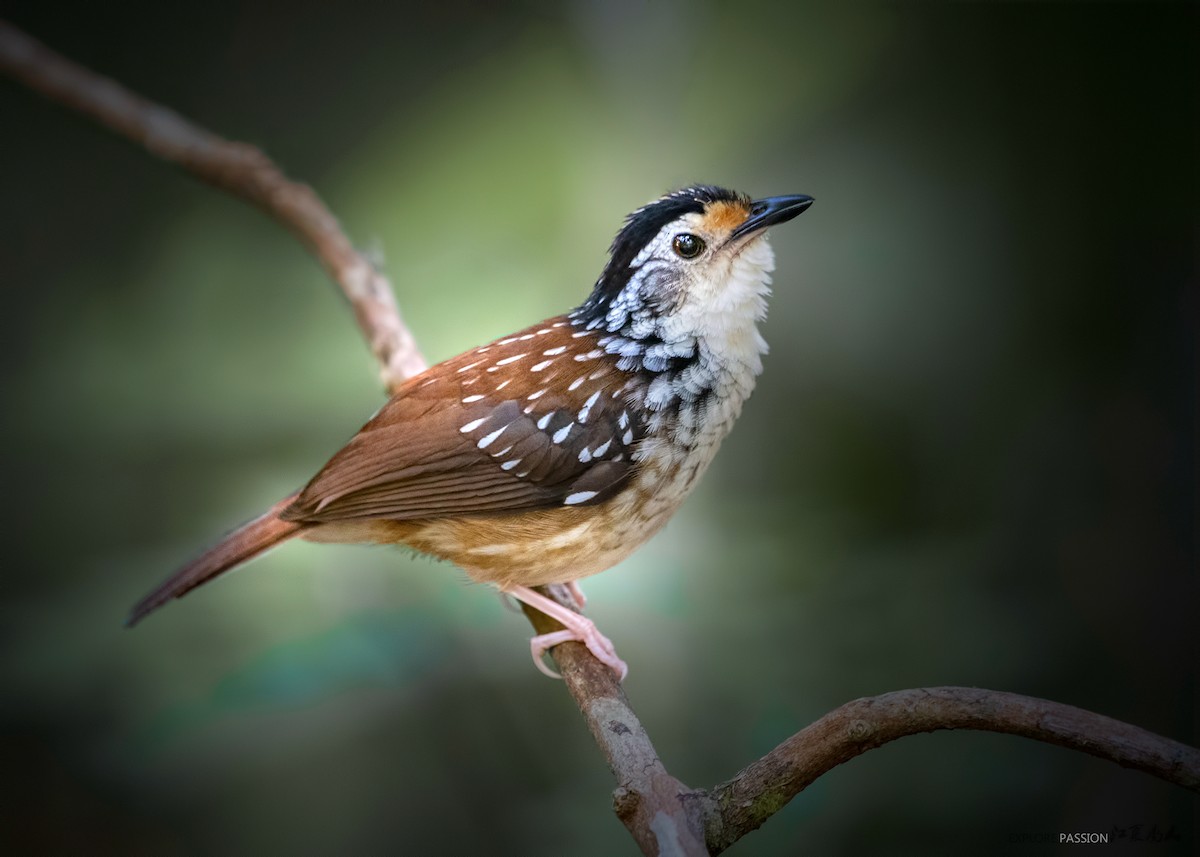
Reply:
x=244, y=544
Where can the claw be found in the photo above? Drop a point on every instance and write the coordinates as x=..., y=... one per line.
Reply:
x=543, y=643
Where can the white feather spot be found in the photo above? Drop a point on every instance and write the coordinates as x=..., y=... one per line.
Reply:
x=602, y=448
x=470, y=399
x=469, y=366
x=508, y=341
x=551, y=352
x=587, y=407
x=486, y=440
x=526, y=336
x=627, y=438
x=576, y=383
x=509, y=465
x=579, y=497
x=545, y=421
x=503, y=452
x=623, y=420
x=473, y=424
x=543, y=331
x=503, y=384
x=585, y=455
x=512, y=359
x=561, y=434
x=538, y=367
x=536, y=395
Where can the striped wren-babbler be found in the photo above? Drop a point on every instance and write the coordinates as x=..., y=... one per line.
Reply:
x=554, y=452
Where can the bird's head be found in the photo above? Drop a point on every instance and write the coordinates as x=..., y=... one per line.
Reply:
x=691, y=263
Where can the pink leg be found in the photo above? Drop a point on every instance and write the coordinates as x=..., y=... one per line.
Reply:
x=578, y=628
x=577, y=594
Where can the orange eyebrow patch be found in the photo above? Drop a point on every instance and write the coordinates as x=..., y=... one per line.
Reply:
x=724, y=216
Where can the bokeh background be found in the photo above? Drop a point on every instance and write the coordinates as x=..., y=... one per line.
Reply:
x=971, y=458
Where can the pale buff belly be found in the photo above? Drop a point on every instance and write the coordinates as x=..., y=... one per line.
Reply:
x=545, y=546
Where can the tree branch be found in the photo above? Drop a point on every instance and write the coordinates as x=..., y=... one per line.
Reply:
x=663, y=815
x=743, y=803
x=237, y=168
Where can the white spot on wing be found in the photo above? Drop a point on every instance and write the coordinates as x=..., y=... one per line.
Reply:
x=512, y=359
x=486, y=440
x=538, y=367
x=579, y=497
x=587, y=407
x=551, y=352
x=470, y=366
x=585, y=455
x=545, y=421
x=509, y=465
x=470, y=399
x=602, y=448
x=561, y=434
x=473, y=424
x=576, y=383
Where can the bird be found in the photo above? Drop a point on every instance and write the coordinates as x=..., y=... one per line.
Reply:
x=552, y=453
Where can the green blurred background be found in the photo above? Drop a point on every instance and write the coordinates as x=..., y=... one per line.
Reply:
x=971, y=458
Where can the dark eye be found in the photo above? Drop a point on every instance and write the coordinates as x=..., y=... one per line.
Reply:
x=687, y=245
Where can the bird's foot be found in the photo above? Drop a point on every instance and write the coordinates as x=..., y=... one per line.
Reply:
x=576, y=627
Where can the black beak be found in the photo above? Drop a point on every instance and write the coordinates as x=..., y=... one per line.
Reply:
x=772, y=210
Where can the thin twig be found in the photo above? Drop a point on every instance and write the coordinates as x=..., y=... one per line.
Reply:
x=238, y=168
x=763, y=787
